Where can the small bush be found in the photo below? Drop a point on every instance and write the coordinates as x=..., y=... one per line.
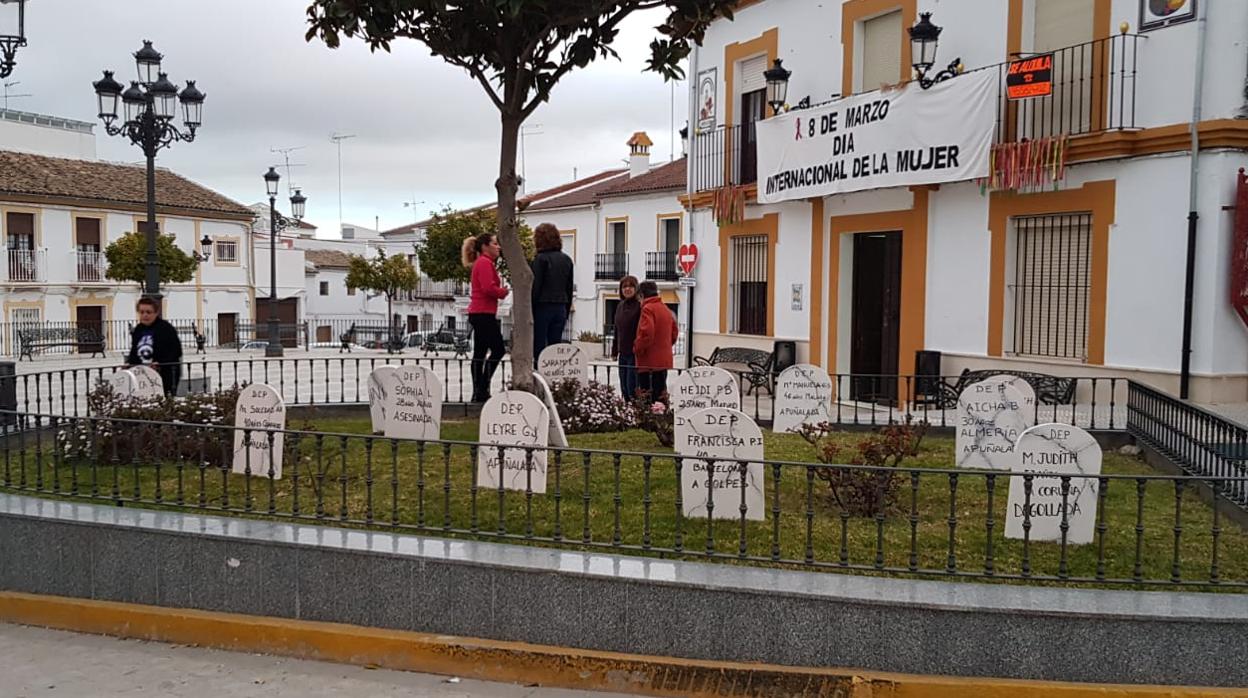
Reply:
x=861, y=492
x=591, y=337
x=657, y=418
x=592, y=409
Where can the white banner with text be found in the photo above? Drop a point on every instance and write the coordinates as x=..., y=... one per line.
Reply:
x=880, y=139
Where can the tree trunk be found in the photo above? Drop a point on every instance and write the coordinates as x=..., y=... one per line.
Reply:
x=513, y=253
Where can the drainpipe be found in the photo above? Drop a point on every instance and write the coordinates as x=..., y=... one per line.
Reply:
x=1185, y=370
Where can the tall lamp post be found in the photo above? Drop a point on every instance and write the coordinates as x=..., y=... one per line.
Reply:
x=278, y=223
x=150, y=104
x=10, y=43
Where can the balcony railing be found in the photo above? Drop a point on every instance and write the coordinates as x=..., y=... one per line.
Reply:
x=610, y=266
x=91, y=266
x=1094, y=90
x=427, y=289
x=661, y=266
x=25, y=266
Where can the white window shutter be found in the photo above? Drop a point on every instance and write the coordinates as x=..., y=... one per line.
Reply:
x=752, y=70
x=881, y=50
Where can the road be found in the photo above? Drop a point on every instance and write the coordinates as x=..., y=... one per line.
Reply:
x=40, y=663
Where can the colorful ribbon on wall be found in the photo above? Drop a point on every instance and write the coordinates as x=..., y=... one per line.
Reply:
x=729, y=205
x=1027, y=164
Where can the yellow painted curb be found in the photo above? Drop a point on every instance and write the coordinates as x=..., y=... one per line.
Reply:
x=518, y=662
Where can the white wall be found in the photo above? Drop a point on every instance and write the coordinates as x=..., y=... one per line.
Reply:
x=338, y=304
x=290, y=273
x=40, y=139
x=586, y=221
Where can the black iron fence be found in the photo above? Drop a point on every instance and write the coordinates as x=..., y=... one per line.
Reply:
x=1196, y=440
x=934, y=521
x=1090, y=403
x=1093, y=90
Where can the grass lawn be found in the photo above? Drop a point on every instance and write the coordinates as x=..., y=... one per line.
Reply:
x=610, y=498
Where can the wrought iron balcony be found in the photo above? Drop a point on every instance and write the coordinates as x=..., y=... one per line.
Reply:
x=661, y=266
x=26, y=266
x=610, y=266
x=91, y=266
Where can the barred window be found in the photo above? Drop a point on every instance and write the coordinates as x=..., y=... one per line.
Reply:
x=1052, y=285
x=748, y=284
x=227, y=250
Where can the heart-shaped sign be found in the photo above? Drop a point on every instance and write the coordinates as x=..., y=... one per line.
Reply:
x=687, y=258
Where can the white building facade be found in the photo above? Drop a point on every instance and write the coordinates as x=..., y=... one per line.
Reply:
x=1078, y=271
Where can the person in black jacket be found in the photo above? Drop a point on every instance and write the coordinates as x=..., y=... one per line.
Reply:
x=154, y=342
x=552, y=288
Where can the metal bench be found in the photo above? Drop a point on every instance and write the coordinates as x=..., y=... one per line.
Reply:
x=755, y=366
x=447, y=339
x=84, y=339
x=1050, y=390
x=193, y=333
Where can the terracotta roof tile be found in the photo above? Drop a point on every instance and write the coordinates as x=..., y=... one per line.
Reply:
x=328, y=259
x=581, y=197
x=662, y=178
x=106, y=182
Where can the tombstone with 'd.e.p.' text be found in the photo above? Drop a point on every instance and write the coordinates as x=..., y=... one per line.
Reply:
x=1051, y=451
x=560, y=362
x=990, y=418
x=509, y=420
x=721, y=465
x=123, y=384
x=700, y=388
x=256, y=451
x=147, y=381
x=415, y=405
x=380, y=393
x=803, y=396
x=1024, y=388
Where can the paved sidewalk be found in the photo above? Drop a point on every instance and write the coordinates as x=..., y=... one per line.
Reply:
x=39, y=663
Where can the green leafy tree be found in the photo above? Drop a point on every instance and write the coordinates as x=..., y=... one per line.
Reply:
x=390, y=275
x=127, y=259
x=440, y=252
x=517, y=50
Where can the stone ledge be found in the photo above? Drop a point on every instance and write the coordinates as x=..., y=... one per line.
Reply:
x=615, y=603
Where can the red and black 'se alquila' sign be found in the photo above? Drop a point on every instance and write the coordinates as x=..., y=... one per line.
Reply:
x=1030, y=77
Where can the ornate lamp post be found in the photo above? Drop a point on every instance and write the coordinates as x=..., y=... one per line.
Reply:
x=9, y=43
x=150, y=105
x=205, y=253
x=777, y=78
x=278, y=223
x=924, y=38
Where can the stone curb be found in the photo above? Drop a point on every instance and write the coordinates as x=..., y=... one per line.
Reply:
x=516, y=662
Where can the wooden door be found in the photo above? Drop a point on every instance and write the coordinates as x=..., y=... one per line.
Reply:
x=227, y=328
x=90, y=317
x=876, y=316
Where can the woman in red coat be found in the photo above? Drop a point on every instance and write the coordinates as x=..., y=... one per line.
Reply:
x=656, y=335
x=480, y=254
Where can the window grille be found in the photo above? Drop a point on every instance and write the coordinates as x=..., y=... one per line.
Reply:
x=227, y=251
x=1052, y=285
x=748, y=284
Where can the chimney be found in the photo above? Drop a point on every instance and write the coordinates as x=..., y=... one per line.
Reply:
x=639, y=154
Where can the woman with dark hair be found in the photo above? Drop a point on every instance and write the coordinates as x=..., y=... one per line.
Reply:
x=480, y=254
x=155, y=343
x=627, y=315
x=552, y=288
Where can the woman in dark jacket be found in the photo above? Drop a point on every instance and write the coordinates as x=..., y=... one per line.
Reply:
x=627, y=315
x=154, y=342
x=552, y=288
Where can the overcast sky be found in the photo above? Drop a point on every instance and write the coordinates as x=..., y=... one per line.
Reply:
x=424, y=130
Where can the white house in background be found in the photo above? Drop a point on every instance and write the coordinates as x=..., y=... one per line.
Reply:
x=332, y=306
x=59, y=209
x=629, y=222
x=1079, y=270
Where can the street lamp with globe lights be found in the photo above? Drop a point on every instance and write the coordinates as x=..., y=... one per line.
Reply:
x=278, y=223
x=149, y=107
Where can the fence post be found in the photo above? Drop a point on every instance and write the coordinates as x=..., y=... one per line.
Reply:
x=8, y=393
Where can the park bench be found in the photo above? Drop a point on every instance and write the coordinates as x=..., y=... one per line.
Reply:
x=372, y=337
x=192, y=333
x=447, y=339
x=1050, y=390
x=754, y=366
x=84, y=339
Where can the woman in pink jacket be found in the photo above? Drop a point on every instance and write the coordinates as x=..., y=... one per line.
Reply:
x=480, y=254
